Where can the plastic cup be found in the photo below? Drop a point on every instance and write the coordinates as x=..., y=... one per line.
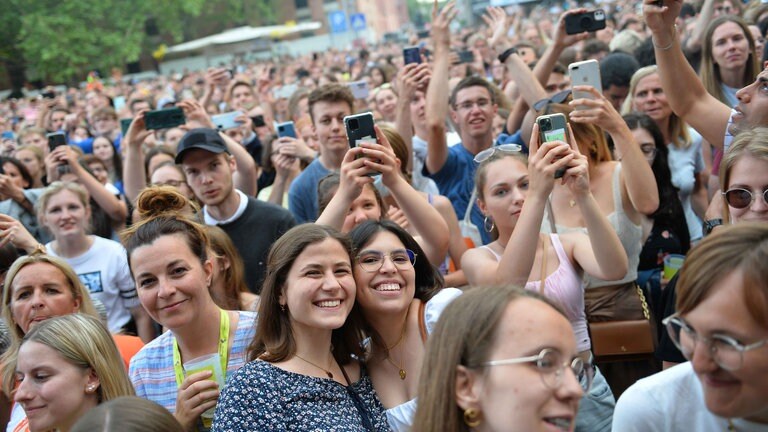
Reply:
x=212, y=363
x=672, y=264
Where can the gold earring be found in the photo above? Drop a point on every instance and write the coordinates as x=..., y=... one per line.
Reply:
x=472, y=417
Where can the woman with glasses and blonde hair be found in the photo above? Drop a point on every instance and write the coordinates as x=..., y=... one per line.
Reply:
x=501, y=359
x=512, y=192
x=66, y=366
x=721, y=326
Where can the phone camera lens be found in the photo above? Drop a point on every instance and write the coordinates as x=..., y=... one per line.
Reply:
x=354, y=124
x=586, y=22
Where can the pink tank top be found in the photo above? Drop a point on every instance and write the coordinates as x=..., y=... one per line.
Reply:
x=563, y=287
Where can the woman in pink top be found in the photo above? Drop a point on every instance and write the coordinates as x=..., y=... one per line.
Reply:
x=514, y=199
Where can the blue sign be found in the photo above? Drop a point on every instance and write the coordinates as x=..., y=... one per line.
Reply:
x=358, y=21
x=337, y=21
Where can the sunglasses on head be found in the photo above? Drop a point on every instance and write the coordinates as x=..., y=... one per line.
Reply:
x=557, y=98
x=741, y=198
x=504, y=148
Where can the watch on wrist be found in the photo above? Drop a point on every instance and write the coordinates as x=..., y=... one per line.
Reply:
x=711, y=224
x=505, y=55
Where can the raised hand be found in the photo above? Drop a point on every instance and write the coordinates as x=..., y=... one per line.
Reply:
x=413, y=77
x=544, y=161
x=498, y=22
x=137, y=132
x=661, y=19
x=195, y=114
x=576, y=175
x=598, y=111
x=441, y=21
x=560, y=38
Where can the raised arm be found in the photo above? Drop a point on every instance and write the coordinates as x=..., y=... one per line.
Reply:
x=637, y=174
x=696, y=40
x=685, y=92
x=352, y=179
x=411, y=78
x=134, y=173
x=437, y=92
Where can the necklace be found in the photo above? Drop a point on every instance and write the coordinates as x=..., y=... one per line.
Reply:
x=731, y=427
x=400, y=368
x=327, y=372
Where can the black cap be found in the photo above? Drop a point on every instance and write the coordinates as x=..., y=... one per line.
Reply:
x=200, y=138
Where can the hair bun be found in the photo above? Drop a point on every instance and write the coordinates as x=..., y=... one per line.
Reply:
x=155, y=201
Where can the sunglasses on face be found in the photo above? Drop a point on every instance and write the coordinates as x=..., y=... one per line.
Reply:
x=740, y=198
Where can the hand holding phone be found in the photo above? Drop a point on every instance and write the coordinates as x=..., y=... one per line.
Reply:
x=286, y=129
x=412, y=55
x=585, y=73
x=55, y=140
x=164, y=118
x=553, y=127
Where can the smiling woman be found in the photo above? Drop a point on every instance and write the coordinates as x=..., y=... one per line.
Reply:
x=168, y=255
x=302, y=374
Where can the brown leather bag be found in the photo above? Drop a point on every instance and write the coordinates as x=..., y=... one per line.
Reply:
x=620, y=323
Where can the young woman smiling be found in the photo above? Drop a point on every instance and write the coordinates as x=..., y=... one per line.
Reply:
x=168, y=255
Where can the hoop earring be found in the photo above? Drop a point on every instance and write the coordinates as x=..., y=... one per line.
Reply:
x=472, y=417
x=485, y=224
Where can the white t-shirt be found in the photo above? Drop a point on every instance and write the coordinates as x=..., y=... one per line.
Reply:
x=684, y=164
x=671, y=401
x=103, y=270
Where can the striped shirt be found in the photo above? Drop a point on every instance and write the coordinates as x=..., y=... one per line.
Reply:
x=152, y=373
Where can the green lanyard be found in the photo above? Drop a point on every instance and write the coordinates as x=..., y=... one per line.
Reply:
x=223, y=349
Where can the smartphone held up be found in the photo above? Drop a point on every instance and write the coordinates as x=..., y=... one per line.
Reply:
x=553, y=127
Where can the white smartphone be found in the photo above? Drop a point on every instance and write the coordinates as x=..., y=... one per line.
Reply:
x=585, y=73
x=227, y=120
x=359, y=89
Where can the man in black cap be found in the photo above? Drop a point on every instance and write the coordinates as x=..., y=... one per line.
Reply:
x=252, y=225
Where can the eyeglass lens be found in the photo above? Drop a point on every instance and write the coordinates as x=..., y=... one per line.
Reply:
x=742, y=198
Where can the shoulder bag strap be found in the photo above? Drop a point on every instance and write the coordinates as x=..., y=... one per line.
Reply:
x=422, y=324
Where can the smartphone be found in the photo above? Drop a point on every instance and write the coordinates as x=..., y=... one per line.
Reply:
x=125, y=124
x=227, y=120
x=258, y=121
x=466, y=56
x=412, y=54
x=56, y=139
x=48, y=94
x=164, y=118
x=119, y=102
x=359, y=89
x=422, y=34
x=360, y=129
x=286, y=129
x=591, y=21
x=553, y=127
x=585, y=73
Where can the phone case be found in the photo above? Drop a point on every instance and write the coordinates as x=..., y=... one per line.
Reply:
x=553, y=127
x=164, y=119
x=227, y=120
x=412, y=55
x=286, y=129
x=585, y=73
x=591, y=21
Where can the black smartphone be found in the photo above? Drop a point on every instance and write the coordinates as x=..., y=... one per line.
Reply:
x=422, y=34
x=286, y=129
x=585, y=22
x=48, y=95
x=466, y=56
x=125, y=124
x=553, y=127
x=164, y=118
x=56, y=139
x=360, y=129
x=258, y=121
x=412, y=55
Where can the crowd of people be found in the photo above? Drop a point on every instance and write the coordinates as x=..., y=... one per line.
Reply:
x=222, y=250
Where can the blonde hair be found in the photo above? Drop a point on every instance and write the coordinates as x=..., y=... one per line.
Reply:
x=710, y=72
x=678, y=129
x=84, y=342
x=54, y=189
x=750, y=142
x=16, y=334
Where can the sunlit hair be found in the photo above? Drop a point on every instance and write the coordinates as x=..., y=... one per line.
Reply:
x=128, y=414
x=678, y=130
x=234, y=276
x=85, y=342
x=465, y=334
x=54, y=189
x=76, y=288
x=753, y=143
x=274, y=340
x=710, y=71
x=741, y=247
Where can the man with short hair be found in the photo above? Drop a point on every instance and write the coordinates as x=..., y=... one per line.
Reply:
x=328, y=105
x=472, y=107
x=616, y=70
x=251, y=224
x=34, y=136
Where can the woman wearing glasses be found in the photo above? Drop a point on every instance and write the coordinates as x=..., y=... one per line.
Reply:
x=400, y=296
x=512, y=192
x=683, y=143
x=721, y=326
x=501, y=359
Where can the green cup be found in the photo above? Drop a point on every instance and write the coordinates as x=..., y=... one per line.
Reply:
x=672, y=264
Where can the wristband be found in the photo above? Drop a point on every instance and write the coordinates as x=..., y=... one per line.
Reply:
x=711, y=224
x=505, y=55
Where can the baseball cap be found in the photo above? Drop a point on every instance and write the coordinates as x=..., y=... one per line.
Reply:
x=200, y=138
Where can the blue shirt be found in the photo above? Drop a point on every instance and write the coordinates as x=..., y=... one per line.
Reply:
x=456, y=180
x=302, y=196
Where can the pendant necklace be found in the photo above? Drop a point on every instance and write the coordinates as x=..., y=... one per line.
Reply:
x=327, y=371
x=400, y=368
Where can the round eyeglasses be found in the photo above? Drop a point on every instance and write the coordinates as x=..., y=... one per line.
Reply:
x=551, y=368
x=372, y=261
x=504, y=148
x=740, y=198
x=726, y=351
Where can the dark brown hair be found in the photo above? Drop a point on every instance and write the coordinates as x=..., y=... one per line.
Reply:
x=332, y=92
x=274, y=340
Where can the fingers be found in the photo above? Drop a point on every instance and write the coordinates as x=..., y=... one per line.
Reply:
x=533, y=143
x=572, y=141
x=588, y=89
